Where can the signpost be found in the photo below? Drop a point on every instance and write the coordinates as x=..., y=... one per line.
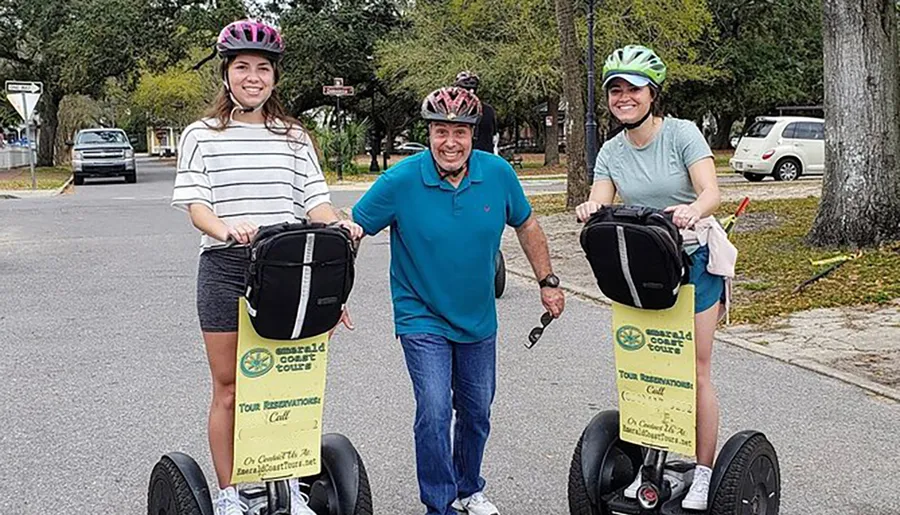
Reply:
x=338, y=90
x=24, y=96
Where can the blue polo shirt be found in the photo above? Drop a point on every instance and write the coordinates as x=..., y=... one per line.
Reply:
x=443, y=241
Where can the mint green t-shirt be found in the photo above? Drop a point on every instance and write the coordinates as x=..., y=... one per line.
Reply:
x=655, y=175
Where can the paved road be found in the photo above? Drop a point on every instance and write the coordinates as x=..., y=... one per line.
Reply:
x=103, y=371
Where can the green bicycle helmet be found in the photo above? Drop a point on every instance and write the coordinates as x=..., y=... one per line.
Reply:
x=637, y=64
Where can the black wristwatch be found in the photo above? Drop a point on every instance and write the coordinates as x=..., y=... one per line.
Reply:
x=551, y=281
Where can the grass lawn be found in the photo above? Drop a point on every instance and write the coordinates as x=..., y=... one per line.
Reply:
x=48, y=178
x=721, y=157
x=331, y=177
x=774, y=259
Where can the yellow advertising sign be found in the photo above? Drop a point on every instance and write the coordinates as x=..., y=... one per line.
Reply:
x=656, y=374
x=279, y=389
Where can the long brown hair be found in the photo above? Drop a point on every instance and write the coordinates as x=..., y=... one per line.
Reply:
x=277, y=119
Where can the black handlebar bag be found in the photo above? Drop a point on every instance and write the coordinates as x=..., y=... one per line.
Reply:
x=299, y=278
x=636, y=255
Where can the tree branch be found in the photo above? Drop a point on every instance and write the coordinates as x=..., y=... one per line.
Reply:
x=205, y=60
x=12, y=56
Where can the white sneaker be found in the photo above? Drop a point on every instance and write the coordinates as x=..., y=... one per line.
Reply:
x=631, y=491
x=697, y=495
x=475, y=504
x=299, y=500
x=228, y=503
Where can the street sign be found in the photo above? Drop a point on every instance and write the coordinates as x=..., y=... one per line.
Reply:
x=338, y=91
x=15, y=86
x=24, y=96
x=338, y=81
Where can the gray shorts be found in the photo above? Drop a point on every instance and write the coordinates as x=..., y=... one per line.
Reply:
x=221, y=281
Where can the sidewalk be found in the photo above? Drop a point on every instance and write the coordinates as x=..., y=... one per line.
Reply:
x=857, y=345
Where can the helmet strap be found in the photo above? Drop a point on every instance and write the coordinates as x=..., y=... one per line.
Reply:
x=635, y=125
x=443, y=173
x=240, y=107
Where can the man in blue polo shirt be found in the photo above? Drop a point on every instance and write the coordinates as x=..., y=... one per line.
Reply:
x=446, y=209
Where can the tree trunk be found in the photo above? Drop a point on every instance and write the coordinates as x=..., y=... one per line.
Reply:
x=49, y=112
x=573, y=87
x=551, y=140
x=721, y=140
x=860, y=203
x=388, y=145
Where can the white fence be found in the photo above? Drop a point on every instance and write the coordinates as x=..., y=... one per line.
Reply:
x=13, y=157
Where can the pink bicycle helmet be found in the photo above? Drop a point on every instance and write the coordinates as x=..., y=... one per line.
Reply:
x=250, y=36
x=452, y=104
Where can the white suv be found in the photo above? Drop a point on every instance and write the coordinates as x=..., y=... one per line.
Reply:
x=784, y=147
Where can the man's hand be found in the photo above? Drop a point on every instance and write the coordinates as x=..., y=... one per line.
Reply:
x=554, y=300
x=356, y=232
x=345, y=319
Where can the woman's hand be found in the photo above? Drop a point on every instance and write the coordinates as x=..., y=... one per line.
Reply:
x=242, y=233
x=586, y=209
x=684, y=216
x=345, y=319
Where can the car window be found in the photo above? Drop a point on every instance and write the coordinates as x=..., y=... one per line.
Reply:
x=101, y=137
x=759, y=129
x=791, y=131
x=818, y=130
x=805, y=130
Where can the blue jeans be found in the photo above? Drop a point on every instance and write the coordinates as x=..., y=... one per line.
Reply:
x=450, y=376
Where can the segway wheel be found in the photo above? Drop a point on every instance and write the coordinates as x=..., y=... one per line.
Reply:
x=601, y=464
x=499, y=274
x=177, y=487
x=342, y=487
x=750, y=482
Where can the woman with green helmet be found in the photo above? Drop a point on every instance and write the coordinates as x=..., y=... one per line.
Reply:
x=665, y=163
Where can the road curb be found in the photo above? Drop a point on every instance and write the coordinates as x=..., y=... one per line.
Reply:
x=723, y=336
x=65, y=185
x=11, y=194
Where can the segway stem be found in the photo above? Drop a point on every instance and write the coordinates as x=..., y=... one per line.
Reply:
x=659, y=465
x=278, y=497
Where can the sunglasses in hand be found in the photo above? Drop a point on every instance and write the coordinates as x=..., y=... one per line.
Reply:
x=536, y=333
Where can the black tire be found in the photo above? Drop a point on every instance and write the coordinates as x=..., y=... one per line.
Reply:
x=750, y=482
x=601, y=464
x=171, y=493
x=753, y=177
x=131, y=178
x=499, y=274
x=79, y=180
x=342, y=487
x=787, y=169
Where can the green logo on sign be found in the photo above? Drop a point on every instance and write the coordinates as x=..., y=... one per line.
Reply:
x=630, y=337
x=256, y=362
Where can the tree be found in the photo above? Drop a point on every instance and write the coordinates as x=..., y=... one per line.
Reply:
x=72, y=46
x=573, y=73
x=328, y=39
x=766, y=53
x=179, y=95
x=860, y=203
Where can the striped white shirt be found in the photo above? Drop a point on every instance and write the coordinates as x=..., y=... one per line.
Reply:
x=248, y=173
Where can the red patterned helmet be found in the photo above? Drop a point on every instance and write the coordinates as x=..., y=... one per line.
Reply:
x=250, y=36
x=453, y=105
